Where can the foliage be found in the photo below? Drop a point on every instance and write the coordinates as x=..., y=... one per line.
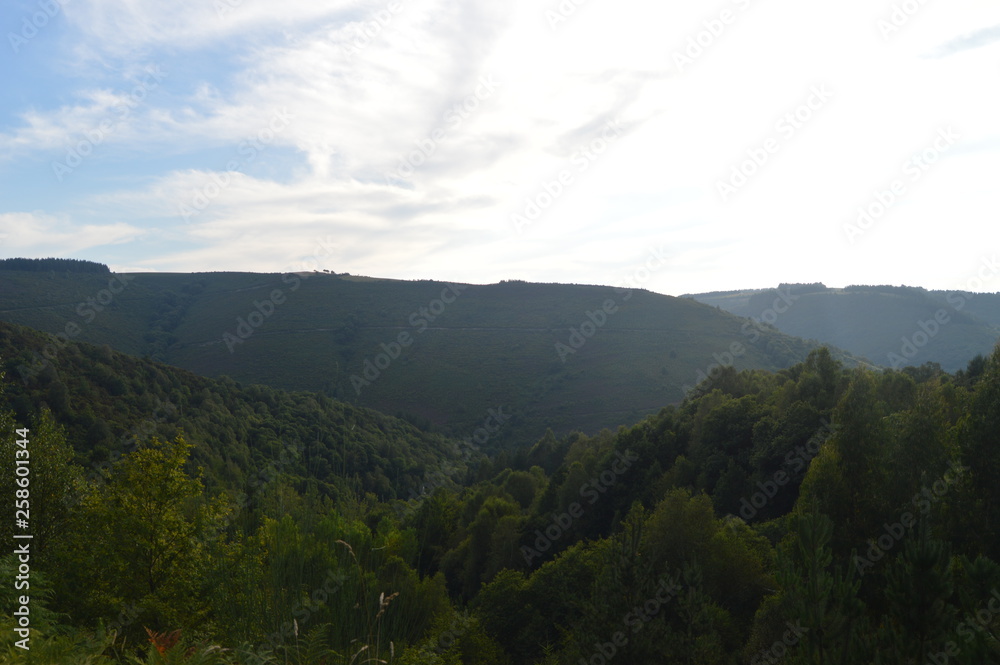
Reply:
x=488, y=347
x=46, y=265
x=816, y=514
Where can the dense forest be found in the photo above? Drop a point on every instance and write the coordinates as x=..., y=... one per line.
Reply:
x=413, y=348
x=818, y=514
x=49, y=265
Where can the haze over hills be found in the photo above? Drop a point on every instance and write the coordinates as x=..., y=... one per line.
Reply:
x=891, y=326
x=546, y=355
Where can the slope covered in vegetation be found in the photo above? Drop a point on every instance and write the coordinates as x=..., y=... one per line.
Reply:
x=439, y=354
x=816, y=514
x=110, y=403
x=891, y=326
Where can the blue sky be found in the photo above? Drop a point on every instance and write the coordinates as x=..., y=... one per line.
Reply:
x=750, y=142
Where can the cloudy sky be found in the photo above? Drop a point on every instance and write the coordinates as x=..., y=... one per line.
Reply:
x=729, y=144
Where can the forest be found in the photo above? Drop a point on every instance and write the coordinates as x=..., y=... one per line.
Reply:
x=817, y=514
x=52, y=264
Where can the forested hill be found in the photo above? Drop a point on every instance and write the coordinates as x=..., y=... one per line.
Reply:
x=553, y=356
x=110, y=403
x=813, y=515
x=891, y=326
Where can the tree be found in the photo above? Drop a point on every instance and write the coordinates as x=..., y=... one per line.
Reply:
x=847, y=478
x=141, y=541
x=822, y=600
x=52, y=481
x=979, y=450
x=919, y=586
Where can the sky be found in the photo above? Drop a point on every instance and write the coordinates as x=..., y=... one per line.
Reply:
x=680, y=147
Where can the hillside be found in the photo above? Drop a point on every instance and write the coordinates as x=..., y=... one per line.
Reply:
x=110, y=403
x=713, y=528
x=891, y=326
x=438, y=354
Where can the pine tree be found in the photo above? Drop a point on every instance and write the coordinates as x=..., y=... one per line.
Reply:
x=919, y=585
x=821, y=603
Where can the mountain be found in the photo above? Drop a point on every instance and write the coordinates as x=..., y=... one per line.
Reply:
x=891, y=326
x=453, y=356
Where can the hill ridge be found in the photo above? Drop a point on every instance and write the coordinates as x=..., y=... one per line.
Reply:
x=557, y=355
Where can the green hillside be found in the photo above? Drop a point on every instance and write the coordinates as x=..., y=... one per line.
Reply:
x=815, y=514
x=110, y=403
x=890, y=326
x=435, y=353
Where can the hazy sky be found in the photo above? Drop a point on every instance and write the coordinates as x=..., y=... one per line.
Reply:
x=477, y=141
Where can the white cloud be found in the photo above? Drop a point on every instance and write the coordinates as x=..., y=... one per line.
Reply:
x=122, y=27
x=101, y=117
x=413, y=134
x=39, y=234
